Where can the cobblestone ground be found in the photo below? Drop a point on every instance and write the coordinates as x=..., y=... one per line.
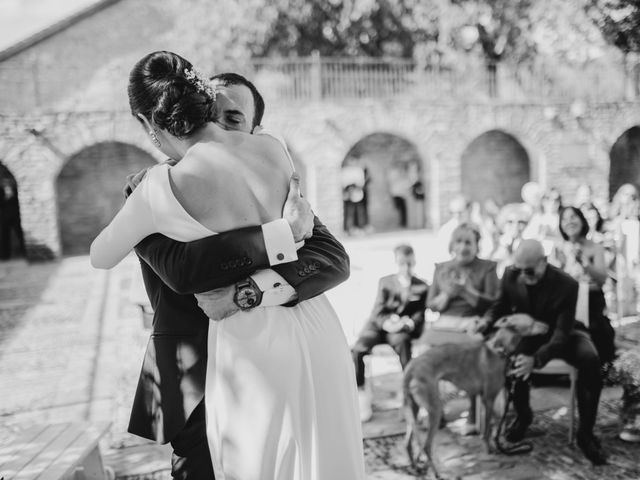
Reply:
x=71, y=343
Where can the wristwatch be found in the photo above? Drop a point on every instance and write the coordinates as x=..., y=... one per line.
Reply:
x=247, y=295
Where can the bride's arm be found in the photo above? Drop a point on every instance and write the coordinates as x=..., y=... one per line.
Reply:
x=130, y=225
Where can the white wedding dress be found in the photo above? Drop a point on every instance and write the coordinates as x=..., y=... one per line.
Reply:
x=280, y=395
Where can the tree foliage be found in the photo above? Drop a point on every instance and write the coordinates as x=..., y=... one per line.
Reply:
x=229, y=32
x=619, y=21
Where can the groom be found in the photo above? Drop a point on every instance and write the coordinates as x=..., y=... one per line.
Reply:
x=168, y=405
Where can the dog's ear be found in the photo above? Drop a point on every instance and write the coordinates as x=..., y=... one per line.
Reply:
x=538, y=328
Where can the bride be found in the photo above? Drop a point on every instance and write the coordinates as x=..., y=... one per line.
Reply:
x=280, y=392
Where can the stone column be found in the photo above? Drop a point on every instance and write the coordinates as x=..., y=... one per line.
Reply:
x=38, y=206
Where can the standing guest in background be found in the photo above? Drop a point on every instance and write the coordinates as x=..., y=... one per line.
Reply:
x=595, y=221
x=10, y=226
x=543, y=226
x=397, y=319
x=583, y=259
x=513, y=220
x=460, y=211
x=463, y=288
x=624, y=224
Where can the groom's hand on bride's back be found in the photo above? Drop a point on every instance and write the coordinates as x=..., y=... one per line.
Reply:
x=297, y=211
x=134, y=179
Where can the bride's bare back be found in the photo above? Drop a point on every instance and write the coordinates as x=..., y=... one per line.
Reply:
x=239, y=181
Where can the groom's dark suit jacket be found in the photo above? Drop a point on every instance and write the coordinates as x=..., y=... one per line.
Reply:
x=172, y=380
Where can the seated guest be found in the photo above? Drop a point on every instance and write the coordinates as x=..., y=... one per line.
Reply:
x=546, y=293
x=583, y=259
x=397, y=318
x=463, y=288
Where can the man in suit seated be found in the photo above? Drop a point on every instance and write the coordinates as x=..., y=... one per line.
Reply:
x=546, y=293
x=397, y=318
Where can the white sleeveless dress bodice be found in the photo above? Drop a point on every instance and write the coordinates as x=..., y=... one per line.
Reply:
x=280, y=395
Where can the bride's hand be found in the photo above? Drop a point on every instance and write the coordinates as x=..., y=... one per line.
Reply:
x=218, y=304
x=297, y=211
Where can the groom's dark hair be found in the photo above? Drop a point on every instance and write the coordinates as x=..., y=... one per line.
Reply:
x=230, y=78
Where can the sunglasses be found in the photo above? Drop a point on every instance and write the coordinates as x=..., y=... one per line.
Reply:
x=528, y=272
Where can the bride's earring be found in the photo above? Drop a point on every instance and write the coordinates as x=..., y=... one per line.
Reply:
x=154, y=138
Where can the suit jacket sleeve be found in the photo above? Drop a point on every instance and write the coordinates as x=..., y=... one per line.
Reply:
x=381, y=311
x=228, y=257
x=489, y=288
x=434, y=290
x=322, y=264
x=565, y=320
x=418, y=316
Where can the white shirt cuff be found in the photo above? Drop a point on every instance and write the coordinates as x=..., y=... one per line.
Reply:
x=275, y=289
x=278, y=241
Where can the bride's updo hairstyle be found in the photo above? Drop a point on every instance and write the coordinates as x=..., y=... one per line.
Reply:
x=165, y=88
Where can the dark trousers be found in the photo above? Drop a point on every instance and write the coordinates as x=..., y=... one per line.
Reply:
x=580, y=353
x=191, y=458
x=8, y=228
x=400, y=342
x=401, y=206
x=600, y=329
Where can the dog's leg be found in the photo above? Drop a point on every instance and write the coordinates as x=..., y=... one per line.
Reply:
x=411, y=416
x=488, y=400
x=430, y=395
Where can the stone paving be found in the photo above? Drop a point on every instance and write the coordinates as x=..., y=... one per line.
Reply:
x=71, y=343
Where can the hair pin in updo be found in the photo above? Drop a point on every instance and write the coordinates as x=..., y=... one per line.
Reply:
x=202, y=83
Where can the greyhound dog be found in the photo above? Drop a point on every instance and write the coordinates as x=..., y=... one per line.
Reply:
x=478, y=368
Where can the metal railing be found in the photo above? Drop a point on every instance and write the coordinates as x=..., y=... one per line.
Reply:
x=321, y=78
x=318, y=77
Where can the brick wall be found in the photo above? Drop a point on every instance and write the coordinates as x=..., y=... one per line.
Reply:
x=89, y=191
x=86, y=65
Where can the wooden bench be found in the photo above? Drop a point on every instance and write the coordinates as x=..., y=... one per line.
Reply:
x=63, y=451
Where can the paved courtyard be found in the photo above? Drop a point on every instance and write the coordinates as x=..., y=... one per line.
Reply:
x=71, y=343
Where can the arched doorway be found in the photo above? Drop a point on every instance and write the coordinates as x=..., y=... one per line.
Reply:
x=624, y=160
x=11, y=235
x=89, y=191
x=383, y=185
x=494, y=166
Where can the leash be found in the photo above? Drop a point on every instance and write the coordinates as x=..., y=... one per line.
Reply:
x=517, y=448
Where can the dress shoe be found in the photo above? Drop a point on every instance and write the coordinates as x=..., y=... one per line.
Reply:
x=518, y=428
x=364, y=400
x=469, y=428
x=631, y=430
x=592, y=449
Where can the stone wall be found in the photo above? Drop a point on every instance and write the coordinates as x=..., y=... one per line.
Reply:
x=563, y=151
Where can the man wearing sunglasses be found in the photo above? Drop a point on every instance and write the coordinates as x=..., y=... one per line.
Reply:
x=549, y=295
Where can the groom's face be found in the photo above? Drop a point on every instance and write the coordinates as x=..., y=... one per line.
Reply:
x=236, y=108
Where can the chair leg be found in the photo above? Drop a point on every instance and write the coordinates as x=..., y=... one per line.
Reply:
x=480, y=414
x=572, y=406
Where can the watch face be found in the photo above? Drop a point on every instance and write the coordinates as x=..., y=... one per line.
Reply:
x=247, y=297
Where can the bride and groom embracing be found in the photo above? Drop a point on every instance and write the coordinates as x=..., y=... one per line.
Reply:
x=244, y=387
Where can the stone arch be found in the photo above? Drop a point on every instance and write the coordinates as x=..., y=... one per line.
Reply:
x=12, y=244
x=624, y=160
x=395, y=191
x=89, y=191
x=495, y=166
